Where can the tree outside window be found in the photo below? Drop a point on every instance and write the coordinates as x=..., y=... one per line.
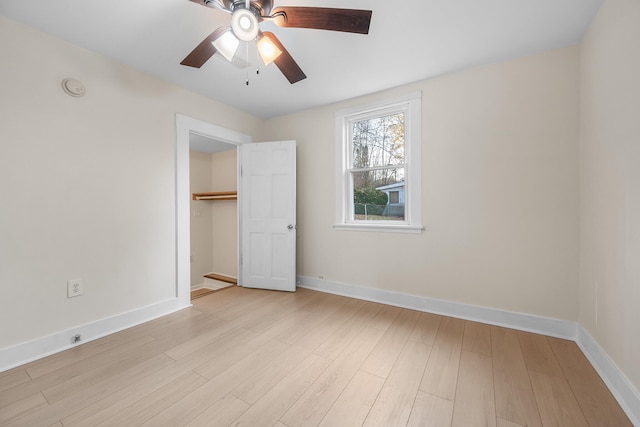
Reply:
x=378, y=160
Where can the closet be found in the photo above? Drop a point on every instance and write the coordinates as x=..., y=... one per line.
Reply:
x=214, y=240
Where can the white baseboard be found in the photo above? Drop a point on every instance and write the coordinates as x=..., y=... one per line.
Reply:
x=624, y=392
x=524, y=322
x=20, y=354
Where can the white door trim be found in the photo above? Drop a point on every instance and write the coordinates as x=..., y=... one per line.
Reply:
x=184, y=126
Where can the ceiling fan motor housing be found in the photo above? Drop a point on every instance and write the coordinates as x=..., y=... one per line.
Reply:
x=258, y=7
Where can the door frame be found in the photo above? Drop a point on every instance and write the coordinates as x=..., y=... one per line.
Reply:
x=184, y=127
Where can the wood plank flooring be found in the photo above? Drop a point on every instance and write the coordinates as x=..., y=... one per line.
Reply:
x=247, y=357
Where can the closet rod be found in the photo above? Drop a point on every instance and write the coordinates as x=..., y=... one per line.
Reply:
x=219, y=195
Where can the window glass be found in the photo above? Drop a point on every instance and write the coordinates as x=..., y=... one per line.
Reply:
x=378, y=141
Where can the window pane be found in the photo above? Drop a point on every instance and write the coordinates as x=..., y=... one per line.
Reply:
x=378, y=141
x=394, y=197
x=373, y=195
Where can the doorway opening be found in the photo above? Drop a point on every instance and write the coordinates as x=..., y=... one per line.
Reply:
x=214, y=214
x=205, y=136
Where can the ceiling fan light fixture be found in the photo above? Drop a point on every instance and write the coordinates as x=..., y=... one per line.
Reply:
x=268, y=50
x=246, y=15
x=227, y=44
x=244, y=25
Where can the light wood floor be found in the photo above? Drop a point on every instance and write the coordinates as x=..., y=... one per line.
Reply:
x=259, y=358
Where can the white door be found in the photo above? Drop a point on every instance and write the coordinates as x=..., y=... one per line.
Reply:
x=268, y=215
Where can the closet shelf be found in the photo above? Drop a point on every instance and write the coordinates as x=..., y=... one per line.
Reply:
x=218, y=195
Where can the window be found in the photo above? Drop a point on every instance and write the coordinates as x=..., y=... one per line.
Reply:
x=394, y=197
x=378, y=166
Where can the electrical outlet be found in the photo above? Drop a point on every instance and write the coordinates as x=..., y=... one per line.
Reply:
x=74, y=288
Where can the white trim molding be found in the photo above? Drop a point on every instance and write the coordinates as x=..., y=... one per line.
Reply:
x=624, y=392
x=20, y=354
x=493, y=316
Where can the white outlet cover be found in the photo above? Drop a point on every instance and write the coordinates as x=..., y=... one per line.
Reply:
x=74, y=288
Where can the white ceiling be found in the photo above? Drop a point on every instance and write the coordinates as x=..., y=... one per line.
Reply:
x=408, y=41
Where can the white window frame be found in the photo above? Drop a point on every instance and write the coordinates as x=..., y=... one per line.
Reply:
x=411, y=105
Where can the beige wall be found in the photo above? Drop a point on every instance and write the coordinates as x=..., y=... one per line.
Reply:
x=87, y=184
x=200, y=176
x=610, y=184
x=500, y=192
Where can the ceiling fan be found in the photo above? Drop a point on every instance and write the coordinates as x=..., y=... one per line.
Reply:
x=246, y=16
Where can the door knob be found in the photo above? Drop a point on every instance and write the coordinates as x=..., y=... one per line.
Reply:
x=290, y=227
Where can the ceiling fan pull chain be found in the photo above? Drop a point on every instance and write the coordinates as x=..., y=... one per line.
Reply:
x=248, y=63
x=257, y=63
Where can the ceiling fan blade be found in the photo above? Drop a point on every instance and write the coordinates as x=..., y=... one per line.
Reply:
x=285, y=61
x=323, y=18
x=212, y=4
x=204, y=50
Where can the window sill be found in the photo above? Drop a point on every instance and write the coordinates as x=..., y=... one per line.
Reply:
x=382, y=228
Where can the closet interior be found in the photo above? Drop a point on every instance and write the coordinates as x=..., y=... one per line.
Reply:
x=214, y=217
